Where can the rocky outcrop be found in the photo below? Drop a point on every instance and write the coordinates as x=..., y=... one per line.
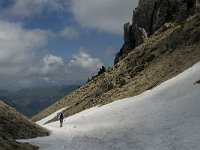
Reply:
x=13, y=126
x=150, y=16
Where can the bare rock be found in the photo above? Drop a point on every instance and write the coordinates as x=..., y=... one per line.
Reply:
x=153, y=16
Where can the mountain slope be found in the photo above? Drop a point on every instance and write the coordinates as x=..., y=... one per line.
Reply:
x=166, y=117
x=152, y=16
x=31, y=101
x=161, y=57
x=13, y=126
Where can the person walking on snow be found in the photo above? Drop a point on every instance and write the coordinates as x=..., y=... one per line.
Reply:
x=61, y=117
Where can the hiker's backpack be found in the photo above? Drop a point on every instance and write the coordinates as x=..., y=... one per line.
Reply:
x=61, y=116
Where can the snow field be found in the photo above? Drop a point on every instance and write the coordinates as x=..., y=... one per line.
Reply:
x=164, y=118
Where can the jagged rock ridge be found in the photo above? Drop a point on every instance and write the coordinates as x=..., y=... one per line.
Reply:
x=150, y=16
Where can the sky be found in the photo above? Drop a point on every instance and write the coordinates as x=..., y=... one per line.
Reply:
x=54, y=42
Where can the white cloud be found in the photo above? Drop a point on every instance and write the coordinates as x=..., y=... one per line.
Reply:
x=85, y=63
x=108, y=16
x=23, y=61
x=103, y=15
x=52, y=64
x=53, y=60
x=23, y=58
x=28, y=8
x=69, y=32
x=18, y=46
x=81, y=66
x=21, y=54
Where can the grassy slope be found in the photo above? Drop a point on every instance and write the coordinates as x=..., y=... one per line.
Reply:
x=160, y=58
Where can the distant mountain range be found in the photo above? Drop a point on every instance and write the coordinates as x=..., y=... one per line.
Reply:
x=32, y=100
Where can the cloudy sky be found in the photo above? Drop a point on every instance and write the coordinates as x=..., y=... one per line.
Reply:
x=52, y=42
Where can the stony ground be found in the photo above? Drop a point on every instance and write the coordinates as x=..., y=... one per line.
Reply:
x=161, y=57
x=13, y=126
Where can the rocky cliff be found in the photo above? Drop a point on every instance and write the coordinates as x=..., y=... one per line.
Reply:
x=152, y=16
x=13, y=126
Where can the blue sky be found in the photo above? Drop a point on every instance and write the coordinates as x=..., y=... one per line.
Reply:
x=52, y=42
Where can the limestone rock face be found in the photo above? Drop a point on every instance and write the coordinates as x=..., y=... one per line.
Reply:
x=150, y=16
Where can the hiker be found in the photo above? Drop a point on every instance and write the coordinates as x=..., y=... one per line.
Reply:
x=61, y=117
